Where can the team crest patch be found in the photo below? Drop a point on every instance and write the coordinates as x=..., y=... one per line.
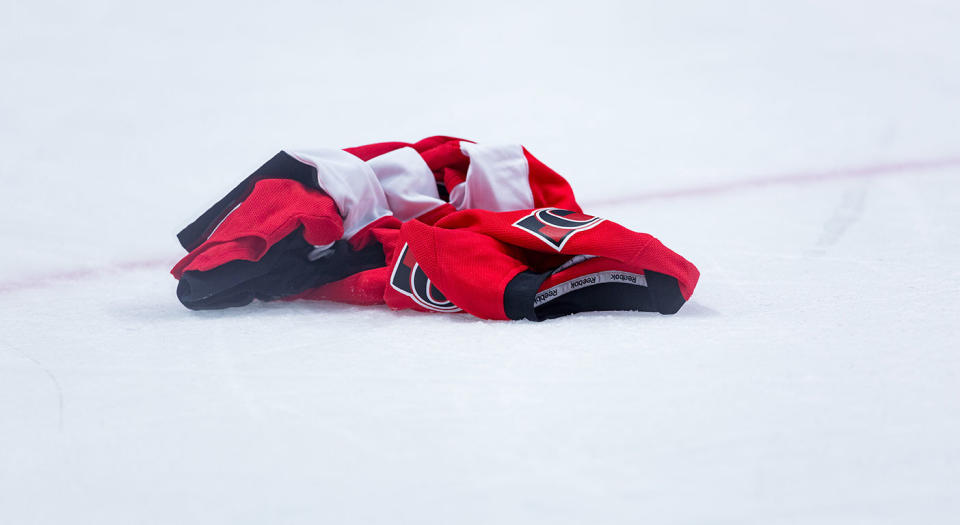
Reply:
x=555, y=227
x=409, y=279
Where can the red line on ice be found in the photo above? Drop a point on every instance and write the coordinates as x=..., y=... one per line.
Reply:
x=50, y=279
x=876, y=170
x=811, y=177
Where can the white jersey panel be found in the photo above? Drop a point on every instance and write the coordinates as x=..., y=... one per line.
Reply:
x=408, y=183
x=498, y=179
x=350, y=182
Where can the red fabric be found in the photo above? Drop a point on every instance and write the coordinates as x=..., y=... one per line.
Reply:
x=369, y=232
x=274, y=209
x=436, y=214
x=607, y=239
x=363, y=288
x=548, y=187
x=369, y=151
x=436, y=150
x=470, y=257
x=445, y=159
x=435, y=141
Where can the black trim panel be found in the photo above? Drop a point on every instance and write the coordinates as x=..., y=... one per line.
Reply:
x=662, y=294
x=519, y=295
x=281, y=166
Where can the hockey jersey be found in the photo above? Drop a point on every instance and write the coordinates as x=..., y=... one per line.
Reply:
x=443, y=224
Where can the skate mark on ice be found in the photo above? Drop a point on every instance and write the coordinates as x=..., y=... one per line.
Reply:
x=47, y=372
x=845, y=215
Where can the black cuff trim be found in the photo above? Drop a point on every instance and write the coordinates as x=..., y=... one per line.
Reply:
x=665, y=292
x=520, y=293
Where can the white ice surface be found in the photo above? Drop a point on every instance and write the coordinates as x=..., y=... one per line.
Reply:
x=813, y=378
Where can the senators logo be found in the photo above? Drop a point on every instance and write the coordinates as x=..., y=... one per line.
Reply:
x=555, y=226
x=410, y=280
